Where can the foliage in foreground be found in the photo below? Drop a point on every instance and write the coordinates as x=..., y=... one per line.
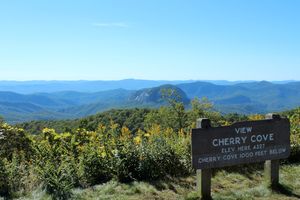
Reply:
x=84, y=158
x=89, y=156
x=229, y=186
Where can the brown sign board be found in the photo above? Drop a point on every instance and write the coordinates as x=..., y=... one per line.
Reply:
x=242, y=142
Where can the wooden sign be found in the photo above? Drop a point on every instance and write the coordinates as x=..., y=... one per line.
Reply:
x=242, y=142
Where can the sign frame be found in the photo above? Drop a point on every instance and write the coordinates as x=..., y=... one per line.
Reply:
x=241, y=143
x=271, y=167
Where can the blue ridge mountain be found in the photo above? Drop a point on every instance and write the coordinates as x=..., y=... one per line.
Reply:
x=242, y=97
x=156, y=95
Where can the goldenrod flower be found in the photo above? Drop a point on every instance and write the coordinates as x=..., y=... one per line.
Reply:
x=137, y=140
x=103, y=154
x=147, y=135
x=125, y=133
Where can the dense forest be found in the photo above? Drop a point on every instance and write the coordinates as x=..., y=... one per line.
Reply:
x=121, y=144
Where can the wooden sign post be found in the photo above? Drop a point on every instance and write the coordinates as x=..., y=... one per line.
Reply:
x=243, y=142
x=271, y=167
x=204, y=175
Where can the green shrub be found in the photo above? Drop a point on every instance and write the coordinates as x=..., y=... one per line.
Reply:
x=158, y=160
x=16, y=179
x=127, y=163
x=58, y=179
x=149, y=168
x=4, y=185
x=17, y=172
x=14, y=140
x=94, y=167
x=295, y=136
x=55, y=165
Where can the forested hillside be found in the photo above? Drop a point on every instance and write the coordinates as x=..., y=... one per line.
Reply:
x=242, y=98
x=247, y=98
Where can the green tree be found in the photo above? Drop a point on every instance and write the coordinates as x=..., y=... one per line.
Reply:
x=171, y=116
x=202, y=108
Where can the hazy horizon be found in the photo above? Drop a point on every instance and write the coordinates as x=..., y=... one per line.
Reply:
x=70, y=80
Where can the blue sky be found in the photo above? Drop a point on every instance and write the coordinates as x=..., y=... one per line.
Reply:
x=149, y=39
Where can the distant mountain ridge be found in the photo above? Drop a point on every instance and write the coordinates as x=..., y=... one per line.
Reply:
x=30, y=87
x=257, y=97
x=245, y=97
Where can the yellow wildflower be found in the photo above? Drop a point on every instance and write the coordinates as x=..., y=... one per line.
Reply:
x=256, y=117
x=147, y=135
x=101, y=127
x=137, y=140
x=125, y=132
x=181, y=133
x=57, y=137
x=169, y=132
x=140, y=132
x=155, y=129
x=103, y=154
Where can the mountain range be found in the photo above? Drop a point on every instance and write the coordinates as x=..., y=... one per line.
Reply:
x=53, y=100
x=30, y=87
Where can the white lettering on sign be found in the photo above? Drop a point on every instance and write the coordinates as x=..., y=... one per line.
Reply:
x=277, y=151
x=243, y=130
x=261, y=153
x=228, y=150
x=228, y=141
x=262, y=138
x=242, y=140
x=246, y=155
x=244, y=148
x=230, y=157
x=209, y=159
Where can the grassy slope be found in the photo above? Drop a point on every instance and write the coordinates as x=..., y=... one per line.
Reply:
x=224, y=186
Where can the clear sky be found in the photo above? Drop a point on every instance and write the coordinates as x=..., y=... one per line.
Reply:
x=149, y=39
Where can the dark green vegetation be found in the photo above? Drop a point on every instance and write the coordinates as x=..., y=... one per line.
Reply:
x=145, y=153
x=131, y=118
x=243, y=98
